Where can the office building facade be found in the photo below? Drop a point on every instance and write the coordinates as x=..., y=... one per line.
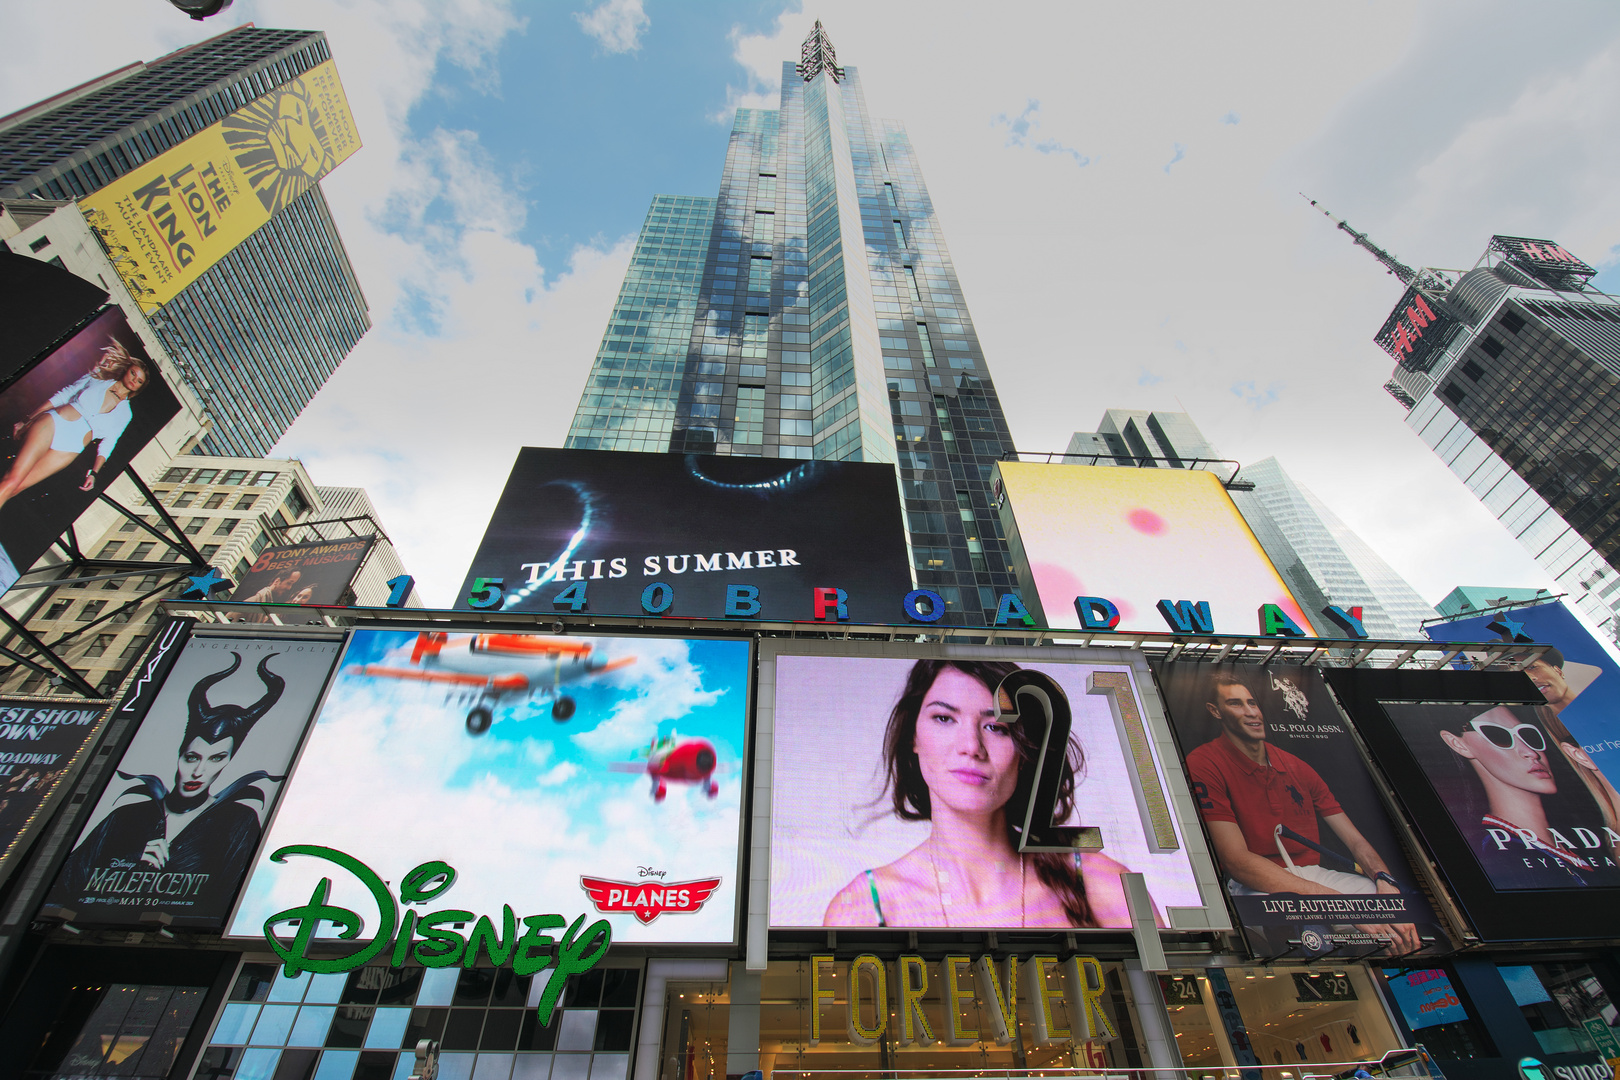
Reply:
x=811, y=310
x=1510, y=371
x=1321, y=558
x=263, y=329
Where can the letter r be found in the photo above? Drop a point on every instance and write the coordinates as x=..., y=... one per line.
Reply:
x=837, y=600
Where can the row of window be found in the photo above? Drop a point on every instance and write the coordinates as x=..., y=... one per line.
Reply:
x=230, y=477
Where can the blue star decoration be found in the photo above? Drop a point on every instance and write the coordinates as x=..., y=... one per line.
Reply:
x=1510, y=628
x=204, y=585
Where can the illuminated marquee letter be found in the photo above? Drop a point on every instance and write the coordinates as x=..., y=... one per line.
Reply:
x=742, y=601
x=1003, y=996
x=1047, y=1030
x=573, y=597
x=913, y=980
x=1274, y=622
x=817, y=996
x=956, y=999
x=834, y=600
x=657, y=598
x=1011, y=608
x=859, y=1033
x=1086, y=988
x=913, y=606
x=1187, y=616
x=1096, y=613
x=1347, y=619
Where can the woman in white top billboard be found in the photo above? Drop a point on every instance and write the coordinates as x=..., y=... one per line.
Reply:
x=953, y=761
x=95, y=409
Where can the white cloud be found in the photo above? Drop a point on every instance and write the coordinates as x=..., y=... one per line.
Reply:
x=560, y=773
x=615, y=24
x=663, y=685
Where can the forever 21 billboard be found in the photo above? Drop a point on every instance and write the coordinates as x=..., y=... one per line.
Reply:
x=616, y=533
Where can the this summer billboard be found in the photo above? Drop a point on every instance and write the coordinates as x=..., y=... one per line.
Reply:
x=1516, y=827
x=1134, y=538
x=181, y=818
x=313, y=573
x=1309, y=857
x=68, y=426
x=1577, y=678
x=916, y=823
x=598, y=775
x=687, y=535
x=169, y=220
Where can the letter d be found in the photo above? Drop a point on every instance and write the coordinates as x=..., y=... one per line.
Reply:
x=1096, y=613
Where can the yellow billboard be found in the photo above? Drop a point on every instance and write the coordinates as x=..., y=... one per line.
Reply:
x=1136, y=537
x=167, y=221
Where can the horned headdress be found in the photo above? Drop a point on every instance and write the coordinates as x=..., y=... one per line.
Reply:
x=214, y=722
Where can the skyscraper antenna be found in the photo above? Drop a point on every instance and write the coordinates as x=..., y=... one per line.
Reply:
x=816, y=55
x=1391, y=263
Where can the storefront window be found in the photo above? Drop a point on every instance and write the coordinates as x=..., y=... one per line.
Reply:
x=1565, y=1005
x=1435, y=1014
x=355, y=1026
x=1290, y=1017
x=133, y=1032
x=697, y=1018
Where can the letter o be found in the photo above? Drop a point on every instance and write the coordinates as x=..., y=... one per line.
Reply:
x=657, y=598
x=936, y=605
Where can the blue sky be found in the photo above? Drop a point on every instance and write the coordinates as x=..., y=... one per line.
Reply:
x=1117, y=184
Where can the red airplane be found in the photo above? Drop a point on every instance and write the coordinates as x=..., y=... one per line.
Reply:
x=484, y=669
x=673, y=759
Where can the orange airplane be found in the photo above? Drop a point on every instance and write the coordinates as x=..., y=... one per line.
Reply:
x=488, y=669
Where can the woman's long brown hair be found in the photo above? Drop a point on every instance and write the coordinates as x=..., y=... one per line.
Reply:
x=911, y=798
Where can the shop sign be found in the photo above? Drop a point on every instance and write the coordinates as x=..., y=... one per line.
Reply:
x=998, y=986
x=1318, y=986
x=439, y=945
x=1181, y=990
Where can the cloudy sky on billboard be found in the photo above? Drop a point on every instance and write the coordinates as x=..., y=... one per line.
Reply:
x=1117, y=184
x=529, y=807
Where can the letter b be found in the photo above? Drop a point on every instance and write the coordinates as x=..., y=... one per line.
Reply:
x=742, y=601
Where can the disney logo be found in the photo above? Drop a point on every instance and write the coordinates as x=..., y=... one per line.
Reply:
x=647, y=871
x=439, y=946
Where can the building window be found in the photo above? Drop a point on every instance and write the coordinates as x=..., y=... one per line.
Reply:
x=227, y=526
x=195, y=526
x=129, y=526
x=208, y=551
x=100, y=646
x=278, y=519
x=1473, y=370
x=235, y=477
x=1491, y=347
x=205, y=476
x=183, y=499
x=142, y=551
x=215, y=501
x=264, y=479
x=175, y=476
x=136, y=644
x=58, y=609
x=296, y=504
x=1454, y=394
x=91, y=609
x=110, y=549
x=260, y=542
x=246, y=502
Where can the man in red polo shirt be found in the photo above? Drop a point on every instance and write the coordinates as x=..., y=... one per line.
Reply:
x=1246, y=788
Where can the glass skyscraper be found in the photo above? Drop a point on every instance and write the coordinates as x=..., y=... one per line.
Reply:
x=811, y=310
x=263, y=329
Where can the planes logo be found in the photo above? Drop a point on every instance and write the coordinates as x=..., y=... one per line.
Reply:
x=647, y=902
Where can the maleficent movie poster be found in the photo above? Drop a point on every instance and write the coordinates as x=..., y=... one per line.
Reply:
x=181, y=817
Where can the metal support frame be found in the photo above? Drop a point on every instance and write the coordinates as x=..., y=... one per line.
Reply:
x=48, y=658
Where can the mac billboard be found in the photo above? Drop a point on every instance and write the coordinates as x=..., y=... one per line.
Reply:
x=595, y=775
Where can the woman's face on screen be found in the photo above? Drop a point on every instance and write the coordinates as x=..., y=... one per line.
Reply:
x=967, y=756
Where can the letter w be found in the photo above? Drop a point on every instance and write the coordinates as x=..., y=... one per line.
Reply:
x=1187, y=616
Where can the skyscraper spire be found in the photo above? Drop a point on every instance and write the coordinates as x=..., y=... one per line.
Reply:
x=817, y=55
x=1394, y=265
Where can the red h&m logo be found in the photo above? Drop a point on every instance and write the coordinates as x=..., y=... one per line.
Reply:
x=1409, y=330
x=647, y=902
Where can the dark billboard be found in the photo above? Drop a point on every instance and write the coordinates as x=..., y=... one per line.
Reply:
x=1417, y=331
x=181, y=818
x=691, y=535
x=70, y=424
x=1526, y=847
x=39, y=743
x=313, y=573
x=1308, y=855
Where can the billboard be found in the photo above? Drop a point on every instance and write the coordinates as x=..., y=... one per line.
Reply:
x=592, y=774
x=1417, y=331
x=1528, y=850
x=39, y=743
x=1309, y=858
x=899, y=787
x=179, y=822
x=1135, y=537
x=1579, y=681
x=313, y=573
x=617, y=533
x=70, y=424
x=179, y=213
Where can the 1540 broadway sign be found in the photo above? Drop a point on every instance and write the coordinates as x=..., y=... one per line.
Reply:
x=440, y=945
